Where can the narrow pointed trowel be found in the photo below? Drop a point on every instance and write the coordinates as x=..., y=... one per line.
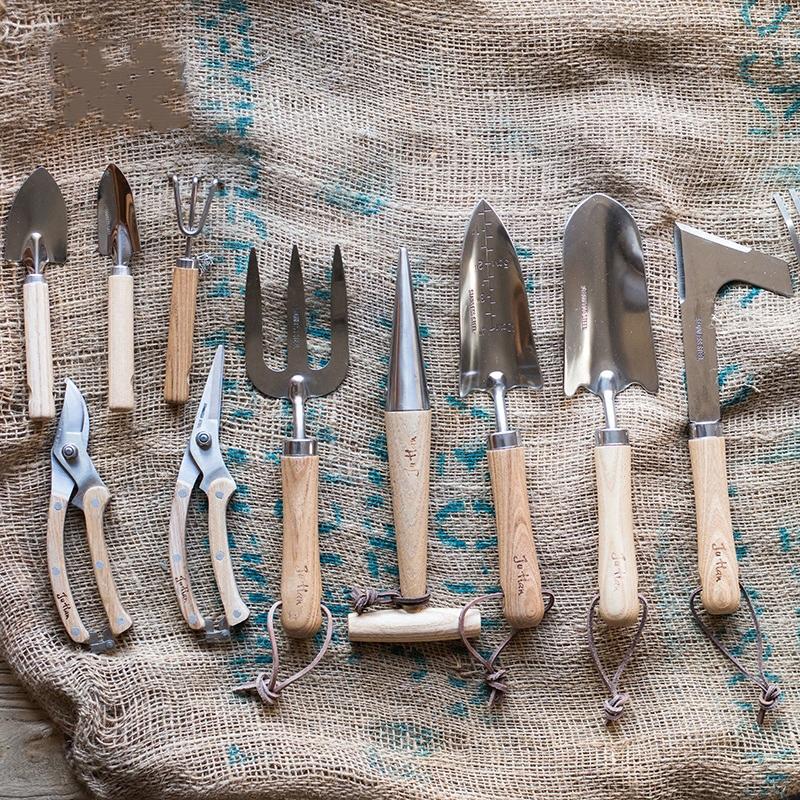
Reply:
x=608, y=346
x=36, y=235
x=118, y=237
x=497, y=354
x=705, y=264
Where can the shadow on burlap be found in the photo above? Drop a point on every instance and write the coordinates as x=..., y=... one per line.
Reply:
x=373, y=125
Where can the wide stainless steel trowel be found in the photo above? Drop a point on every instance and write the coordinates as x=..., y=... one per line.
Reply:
x=705, y=264
x=118, y=237
x=497, y=354
x=36, y=235
x=608, y=345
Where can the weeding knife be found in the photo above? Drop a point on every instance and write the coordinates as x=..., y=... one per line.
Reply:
x=36, y=235
x=608, y=346
x=118, y=237
x=705, y=264
x=497, y=354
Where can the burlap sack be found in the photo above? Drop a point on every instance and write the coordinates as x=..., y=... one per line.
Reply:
x=373, y=125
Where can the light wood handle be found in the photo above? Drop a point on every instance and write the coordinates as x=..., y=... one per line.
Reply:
x=57, y=567
x=95, y=501
x=716, y=551
x=181, y=334
x=301, y=582
x=618, y=581
x=523, y=605
x=219, y=493
x=38, y=350
x=426, y=625
x=408, y=439
x=120, y=343
x=177, y=557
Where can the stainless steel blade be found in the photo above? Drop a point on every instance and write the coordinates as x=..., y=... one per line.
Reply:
x=496, y=335
x=705, y=264
x=406, y=388
x=204, y=444
x=117, y=232
x=608, y=341
x=36, y=228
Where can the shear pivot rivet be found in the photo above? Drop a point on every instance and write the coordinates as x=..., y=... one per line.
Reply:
x=203, y=439
x=69, y=451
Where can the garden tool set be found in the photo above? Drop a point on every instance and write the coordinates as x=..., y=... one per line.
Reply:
x=608, y=346
x=408, y=443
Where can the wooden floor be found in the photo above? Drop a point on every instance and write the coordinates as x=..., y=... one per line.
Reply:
x=32, y=763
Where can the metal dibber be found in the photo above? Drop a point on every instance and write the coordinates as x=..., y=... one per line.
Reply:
x=185, y=275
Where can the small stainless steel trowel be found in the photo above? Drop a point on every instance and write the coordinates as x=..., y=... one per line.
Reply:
x=497, y=354
x=705, y=264
x=118, y=237
x=36, y=235
x=608, y=346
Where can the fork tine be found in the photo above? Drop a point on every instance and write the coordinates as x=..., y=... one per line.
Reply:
x=787, y=217
x=296, y=344
x=325, y=380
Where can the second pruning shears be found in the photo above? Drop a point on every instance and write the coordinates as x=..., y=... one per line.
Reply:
x=202, y=459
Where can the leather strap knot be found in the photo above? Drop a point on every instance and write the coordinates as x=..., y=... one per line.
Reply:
x=770, y=693
x=494, y=677
x=362, y=599
x=614, y=706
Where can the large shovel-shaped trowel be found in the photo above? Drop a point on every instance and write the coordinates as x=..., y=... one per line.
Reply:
x=608, y=346
x=705, y=264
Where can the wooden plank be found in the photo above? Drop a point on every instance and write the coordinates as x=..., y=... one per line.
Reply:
x=32, y=762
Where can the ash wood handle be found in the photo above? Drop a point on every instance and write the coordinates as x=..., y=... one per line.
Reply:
x=57, y=568
x=716, y=551
x=301, y=582
x=177, y=557
x=95, y=501
x=523, y=605
x=219, y=493
x=38, y=350
x=408, y=439
x=617, y=578
x=398, y=625
x=181, y=334
x=120, y=343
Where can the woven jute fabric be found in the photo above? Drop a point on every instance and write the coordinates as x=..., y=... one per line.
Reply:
x=373, y=125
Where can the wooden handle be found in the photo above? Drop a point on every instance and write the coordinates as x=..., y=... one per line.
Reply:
x=177, y=557
x=426, y=625
x=38, y=350
x=120, y=343
x=618, y=581
x=181, y=334
x=716, y=552
x=408, y=438
x=219, y=493
x=301, y=582
x=56, y=566
x=95, y=501
x=519, y=570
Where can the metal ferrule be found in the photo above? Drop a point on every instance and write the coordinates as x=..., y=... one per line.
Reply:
x=299, y=447
x=121, y=269
x=502, y=440
x=35, y=277
x=186, y=262
x=406, y=388
x=702, y=430
x=610, y=436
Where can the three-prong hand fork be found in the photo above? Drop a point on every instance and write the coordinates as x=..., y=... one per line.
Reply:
x=185, y=275
x=301, y=584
